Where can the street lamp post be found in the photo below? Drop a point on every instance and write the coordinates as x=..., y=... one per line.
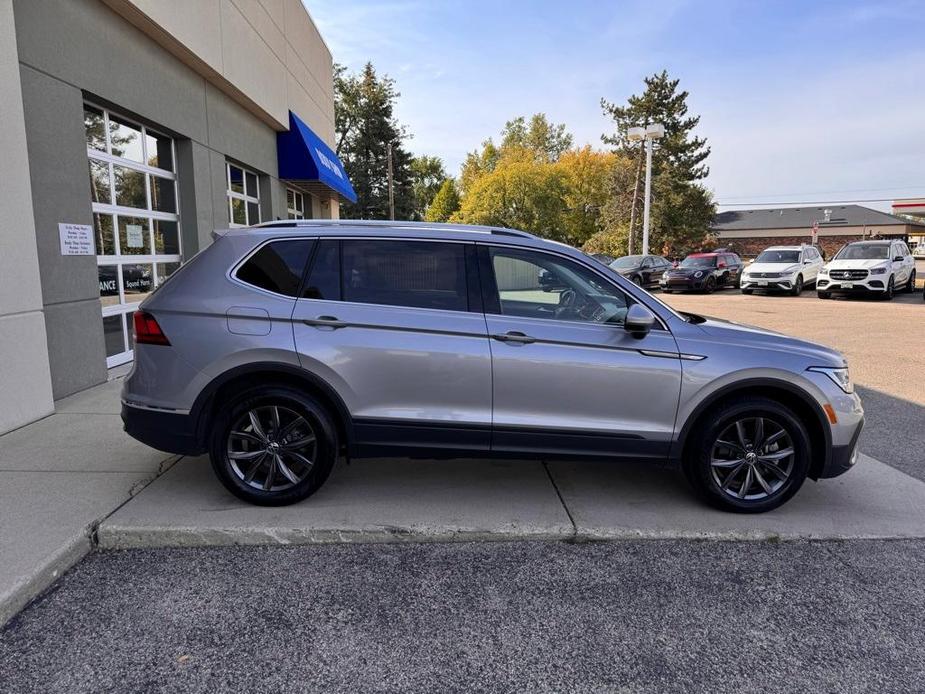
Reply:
x=649, y=133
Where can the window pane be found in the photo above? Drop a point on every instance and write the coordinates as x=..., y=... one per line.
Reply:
x=290, y=199
x=102, y=231
x=163, y=197
x=166, y=238
x=94, y=126
x=539, y=285
x=109, y=285
x=300, y=202
x=324, y=280
x=237, y=212
x=251, y=189
x=236, y=179
x=405, y=273
x=160, y=153
x=253, y=213
x=125, y=139
x=130, y=188
x=112, y=333
x=99, y=182
x=165, y=270
x=137, y=282
x=133, y=236
x=278, y=266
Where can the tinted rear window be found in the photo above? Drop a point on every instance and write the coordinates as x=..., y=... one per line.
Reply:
x=277, y=266
x=419, y=274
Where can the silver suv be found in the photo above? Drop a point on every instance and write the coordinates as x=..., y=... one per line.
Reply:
x=282, y=346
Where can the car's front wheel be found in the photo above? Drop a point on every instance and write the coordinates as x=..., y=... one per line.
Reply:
x=797, y=288
x=273, y=446
x=890, y=290
x=910, y=285
x=710, y=285
x=750, y=456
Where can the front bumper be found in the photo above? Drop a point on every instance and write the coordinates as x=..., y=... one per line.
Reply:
x=843, y=458
x=769, y=283
x=872, y=284
x=172, y=432
x=683, y=283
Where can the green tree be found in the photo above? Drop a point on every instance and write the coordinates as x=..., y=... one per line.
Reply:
x=365, y=126
x=427, y=177
x=548, y=141
x=678, y=161
x=444, y=204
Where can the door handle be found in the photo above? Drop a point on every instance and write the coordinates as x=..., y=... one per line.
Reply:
x=325, y=322
x=515, y=337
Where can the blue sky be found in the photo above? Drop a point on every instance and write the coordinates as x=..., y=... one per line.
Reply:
x=813, y=100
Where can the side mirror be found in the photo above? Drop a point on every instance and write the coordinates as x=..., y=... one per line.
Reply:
x=639, y=321
x=808, y=261
x=721, y=265
x=898, y=259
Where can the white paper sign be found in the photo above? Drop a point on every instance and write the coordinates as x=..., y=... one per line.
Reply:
x=134, y=237
x=76, y=239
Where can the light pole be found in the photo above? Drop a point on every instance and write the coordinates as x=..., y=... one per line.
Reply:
x=648, y=133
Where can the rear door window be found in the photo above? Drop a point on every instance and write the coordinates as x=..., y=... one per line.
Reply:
x=278, y=266
x=416, y=274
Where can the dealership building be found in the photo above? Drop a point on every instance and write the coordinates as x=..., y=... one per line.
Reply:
x=748, y=232
x=131, y=130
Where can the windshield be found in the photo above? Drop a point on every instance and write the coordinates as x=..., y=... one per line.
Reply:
x=864, y=251
x=627, y=261
x=778, y=257
x=699, y=261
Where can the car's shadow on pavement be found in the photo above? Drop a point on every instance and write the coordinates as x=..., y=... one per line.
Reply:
x=894, y=431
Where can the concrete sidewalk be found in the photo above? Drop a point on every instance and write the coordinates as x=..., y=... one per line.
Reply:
x=59, y=477
x=396, y=500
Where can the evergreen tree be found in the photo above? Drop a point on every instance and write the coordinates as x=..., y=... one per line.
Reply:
x=445, y=203
x=678, y=163
x=365, y=125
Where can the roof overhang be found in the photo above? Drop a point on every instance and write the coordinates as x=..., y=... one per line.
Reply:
x=306, y=160
x=910, y=206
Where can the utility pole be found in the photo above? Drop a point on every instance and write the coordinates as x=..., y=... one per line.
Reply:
x=391, y=190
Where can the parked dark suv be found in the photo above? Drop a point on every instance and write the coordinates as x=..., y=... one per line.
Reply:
x=704, y=272
x=280, y=347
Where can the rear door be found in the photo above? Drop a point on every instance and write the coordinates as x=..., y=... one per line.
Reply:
x=396, y=327
x=568, y=379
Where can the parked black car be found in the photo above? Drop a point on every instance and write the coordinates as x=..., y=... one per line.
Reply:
x=602, y=258
x=644, y=270
x=704, y=272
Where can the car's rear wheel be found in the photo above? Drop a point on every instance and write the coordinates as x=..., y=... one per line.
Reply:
x=910, y=285
x=750, y=456
x=273, y=446
x=797, y=288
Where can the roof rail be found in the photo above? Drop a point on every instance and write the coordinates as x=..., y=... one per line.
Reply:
x=388, y=224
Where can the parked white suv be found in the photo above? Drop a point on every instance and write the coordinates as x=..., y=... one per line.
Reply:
x=878, y=267
x=782, y=268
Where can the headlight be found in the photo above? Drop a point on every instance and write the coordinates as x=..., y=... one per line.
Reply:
x=877, y=270
x=839, y=375
x=824, y=271
x=699, y=273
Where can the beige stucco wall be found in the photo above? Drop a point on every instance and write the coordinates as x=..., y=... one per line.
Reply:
x=25, y=381
x=266, y=54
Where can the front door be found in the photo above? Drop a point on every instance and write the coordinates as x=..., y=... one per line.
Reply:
x=387, y=323
x=568, y=379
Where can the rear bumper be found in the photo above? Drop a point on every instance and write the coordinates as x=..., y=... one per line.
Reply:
x=166, y=431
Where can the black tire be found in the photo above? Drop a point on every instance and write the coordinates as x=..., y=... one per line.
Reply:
x=747, y=291
x=710, y=285
x=637, y=280
x=823, y=295
x=797, y=288
x=910, y=285
x=890, y=290
x=707, y=479
x=292, y=404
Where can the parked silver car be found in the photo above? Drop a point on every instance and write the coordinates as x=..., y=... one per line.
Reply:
x=282, y=346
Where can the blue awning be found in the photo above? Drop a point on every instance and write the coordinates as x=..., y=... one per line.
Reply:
x=305, y=158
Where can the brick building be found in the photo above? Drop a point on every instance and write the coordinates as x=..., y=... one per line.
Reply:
x=748, y=232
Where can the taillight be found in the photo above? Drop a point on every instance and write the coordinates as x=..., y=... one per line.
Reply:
x=147, y=331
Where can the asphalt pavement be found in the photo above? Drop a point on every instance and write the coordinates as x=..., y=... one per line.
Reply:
x=651, y=616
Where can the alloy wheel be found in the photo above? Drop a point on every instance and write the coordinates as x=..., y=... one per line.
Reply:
x=271, y=448
x=752, y=459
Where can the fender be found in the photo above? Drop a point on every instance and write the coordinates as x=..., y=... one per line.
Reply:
x=205, y=399
x=751, y=385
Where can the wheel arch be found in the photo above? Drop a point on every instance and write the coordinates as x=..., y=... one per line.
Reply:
x=265, y=373
x=802, y=403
